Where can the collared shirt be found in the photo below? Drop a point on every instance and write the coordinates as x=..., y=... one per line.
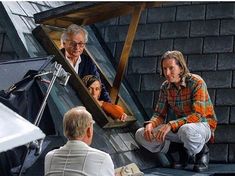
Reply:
x=76, y=67
x=190, y=103
x=76, y=158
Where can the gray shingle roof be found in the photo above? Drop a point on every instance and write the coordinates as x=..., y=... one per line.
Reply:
x=17, y=26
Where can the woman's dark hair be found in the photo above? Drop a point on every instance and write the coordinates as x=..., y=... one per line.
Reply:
x=89, y=79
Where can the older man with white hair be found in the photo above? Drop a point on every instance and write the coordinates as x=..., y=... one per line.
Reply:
x=76, y=157
x=73, y=41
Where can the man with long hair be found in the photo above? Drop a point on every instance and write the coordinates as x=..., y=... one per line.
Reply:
x=192, y=121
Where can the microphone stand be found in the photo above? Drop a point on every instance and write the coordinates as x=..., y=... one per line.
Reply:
x=38, y=144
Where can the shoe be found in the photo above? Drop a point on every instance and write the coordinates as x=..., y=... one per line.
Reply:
x=163, y=159
x=183, y=155
x=202, y=160
x=183, y=162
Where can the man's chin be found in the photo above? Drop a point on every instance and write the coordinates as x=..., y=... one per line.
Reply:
x=76, y=54
x=170, y=80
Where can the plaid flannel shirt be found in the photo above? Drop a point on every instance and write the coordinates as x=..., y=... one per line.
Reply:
x=190, y=103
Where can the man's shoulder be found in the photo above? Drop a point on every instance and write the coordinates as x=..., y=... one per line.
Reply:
x=99, y=152
x=195, y=78
x=51, y=153
x=100, y=162
x=86, y=59
x=85, y=56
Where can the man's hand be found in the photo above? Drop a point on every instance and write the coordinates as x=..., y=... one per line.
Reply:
x=100, y=102
x=124, y=117
x=148, y=132
x=161, y=132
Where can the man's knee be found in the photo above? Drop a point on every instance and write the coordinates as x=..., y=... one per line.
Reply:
x=139, y=135
x=185, y=132
x=193, y=141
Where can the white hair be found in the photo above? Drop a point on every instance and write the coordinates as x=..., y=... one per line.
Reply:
x=76, y=121
x=74, y=29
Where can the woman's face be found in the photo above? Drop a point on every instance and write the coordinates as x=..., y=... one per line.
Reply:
x=95, y=89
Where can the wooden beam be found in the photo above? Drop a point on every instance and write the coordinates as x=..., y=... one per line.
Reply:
x=43, y=17
x=86, y=13
x=125, y=52
x=58, y=22
x=102, y=17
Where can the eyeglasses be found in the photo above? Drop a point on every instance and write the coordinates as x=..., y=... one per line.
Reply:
x=75, y=44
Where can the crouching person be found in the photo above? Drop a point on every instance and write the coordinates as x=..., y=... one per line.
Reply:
x=193, y=122
x=76, y=157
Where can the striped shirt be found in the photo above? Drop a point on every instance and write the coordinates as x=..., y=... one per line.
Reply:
x=190, y=103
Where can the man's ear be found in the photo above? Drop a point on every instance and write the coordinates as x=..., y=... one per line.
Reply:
x=89, y=132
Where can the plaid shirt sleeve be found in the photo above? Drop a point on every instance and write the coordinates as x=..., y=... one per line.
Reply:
x=160, y=110
x=202, y=108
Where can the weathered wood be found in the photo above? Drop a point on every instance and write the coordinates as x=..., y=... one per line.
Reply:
x=58, y=22
x=88, y=13
x=125, y=52
x=102, y=17
x=42, y=17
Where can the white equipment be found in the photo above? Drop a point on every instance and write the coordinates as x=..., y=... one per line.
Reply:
x=15, y=130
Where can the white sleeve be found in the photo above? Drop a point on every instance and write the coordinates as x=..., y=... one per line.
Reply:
x=47, y=162
x=107, y=168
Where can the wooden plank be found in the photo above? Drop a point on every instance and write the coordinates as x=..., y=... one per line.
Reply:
x=42, y=17
x=58, y=22
x=154, y=4
x=88, y=13
x=125, y=52
x=103, y=9
x=64, y=22
x=112, y=14
x=55, y=35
